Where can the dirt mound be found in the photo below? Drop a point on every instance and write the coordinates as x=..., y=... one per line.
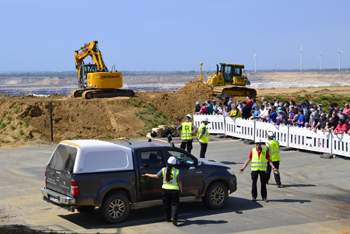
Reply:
x=196, y=87
x=322, y=91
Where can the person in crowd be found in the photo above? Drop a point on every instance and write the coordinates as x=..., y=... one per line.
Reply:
x=346, y=110
x=226, y=101
x=276, y=102
x=246, y=110
x=229, y=103
x=305, y=111
x=254, y=103
x=263, y=99
x=321, y=124
x=272, y=115
x=336, y=106
x=301, y=119
x=249, y=101
x=285, y=107
x=209, y=107
x=204, y=109
x=235, y=113
x=335, y=116
x=292, y=103
x=341, y=127
x=330, y=125
x=215, y=107
x=262, y=118
x=197, y=108
x=314, y=118
x=331, y=109
x=226, y=111
x=203, y=137
x=220, y=109
x=171, y=189
x=296, y=117
x=186, y=130
x=263, y=111
x=239, y=106
x=266, y=105
x=281, y=114
x=292, y=112
x=320, y=110
x=260, y=158
x=256, y=113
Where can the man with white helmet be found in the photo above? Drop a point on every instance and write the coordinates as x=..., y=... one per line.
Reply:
x=259, y=158
x=186, y=130
x=273, y=148
x=203, y=136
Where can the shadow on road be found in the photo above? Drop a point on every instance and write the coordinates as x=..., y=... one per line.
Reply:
x=230, y=163
x=152, y=215
x=290, y=201
x=298, y=185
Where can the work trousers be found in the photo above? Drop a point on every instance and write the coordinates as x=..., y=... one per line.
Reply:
x=171, y=203
x=188, y=144
x=255, y=175
x=268, y=173
x=203, y=150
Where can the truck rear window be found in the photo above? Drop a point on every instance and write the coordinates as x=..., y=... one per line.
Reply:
x=63, y=158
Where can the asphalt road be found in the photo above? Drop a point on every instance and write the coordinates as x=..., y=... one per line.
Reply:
x=315, y=198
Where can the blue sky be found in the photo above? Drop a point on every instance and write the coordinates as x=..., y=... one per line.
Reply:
x=174, y=35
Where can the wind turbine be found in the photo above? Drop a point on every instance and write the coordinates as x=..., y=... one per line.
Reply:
x=301, y=57
x=320, y=58
x=339, y=54
x=254, y=58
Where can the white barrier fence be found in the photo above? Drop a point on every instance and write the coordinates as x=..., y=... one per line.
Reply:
x=294, y=137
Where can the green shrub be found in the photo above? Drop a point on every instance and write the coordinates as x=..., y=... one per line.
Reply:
x=9, y=118
x=151, y=105
x=12, y=127
x=20, y=123
x=16, y=110
x=26, y=124
x=21, y=132
x=109, y=136
x=78, y=136
x=3, y=125
x=87, y=128
x=68, y=138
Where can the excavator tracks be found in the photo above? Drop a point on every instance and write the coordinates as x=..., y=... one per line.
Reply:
x=103, y=93
x=235, y=91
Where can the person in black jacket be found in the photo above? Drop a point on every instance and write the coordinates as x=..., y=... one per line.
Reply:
x=246, y=111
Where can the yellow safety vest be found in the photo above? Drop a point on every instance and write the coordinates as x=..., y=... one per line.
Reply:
x=259, y=163
x=172, y=184
x=186, y=131
x=274, y=150
x=205, y=137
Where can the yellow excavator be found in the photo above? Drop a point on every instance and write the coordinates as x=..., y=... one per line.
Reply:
x=230, y=79
x=94, y=80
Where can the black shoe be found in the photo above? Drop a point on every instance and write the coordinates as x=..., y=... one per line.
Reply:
x=280, y=186
x=265, y=199
x=174, y=222
x=254, y=199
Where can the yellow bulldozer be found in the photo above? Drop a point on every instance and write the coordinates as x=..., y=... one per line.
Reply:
x=94, y=80
x=230, y=79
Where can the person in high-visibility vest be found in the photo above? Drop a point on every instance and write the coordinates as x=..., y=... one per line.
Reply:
x=203, y=136
x=171, y=189
x=260, y=159
x=186, y=130
x=273, y=148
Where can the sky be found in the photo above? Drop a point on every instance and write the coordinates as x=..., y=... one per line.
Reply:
x=169, y=35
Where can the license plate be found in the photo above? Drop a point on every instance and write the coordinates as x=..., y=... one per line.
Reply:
x=54, y=199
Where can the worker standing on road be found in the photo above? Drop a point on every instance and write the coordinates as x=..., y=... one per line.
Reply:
x=171, y=189
x=273, y=148
x=259, y=157
x=186, y=133
x=203, y=136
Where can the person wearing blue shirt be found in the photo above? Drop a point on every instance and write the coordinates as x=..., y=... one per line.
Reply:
x=272, y=115
x=256, y=113
x=210, y=107
x=301, y=119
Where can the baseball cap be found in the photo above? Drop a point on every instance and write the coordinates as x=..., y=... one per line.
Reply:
x=197, y=103
x=320, y=104
x=279, y=109
x=189, y=116
x=214, y=101
x=172, y=160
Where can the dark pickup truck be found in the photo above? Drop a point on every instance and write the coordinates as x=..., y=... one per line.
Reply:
x=84, y=174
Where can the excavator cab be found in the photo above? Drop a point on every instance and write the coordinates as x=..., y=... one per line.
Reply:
x=233, y=71
x=84, y=70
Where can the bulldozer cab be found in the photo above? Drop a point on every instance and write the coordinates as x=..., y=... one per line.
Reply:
x=231, y=70
x=85, y=69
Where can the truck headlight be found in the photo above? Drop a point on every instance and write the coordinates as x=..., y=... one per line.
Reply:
x=230, y=170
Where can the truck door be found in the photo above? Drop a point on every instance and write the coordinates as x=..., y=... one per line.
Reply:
x=150, y=161
x=192, y=177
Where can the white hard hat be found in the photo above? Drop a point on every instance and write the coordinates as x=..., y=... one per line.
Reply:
x=258, y=141
x=189, y=116
x=205, y=119
x=270, y=134
x=172, y=160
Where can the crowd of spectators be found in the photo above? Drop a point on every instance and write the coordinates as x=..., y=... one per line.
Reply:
x=305, y=114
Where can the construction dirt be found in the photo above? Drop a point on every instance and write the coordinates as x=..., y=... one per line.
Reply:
x=25, y=121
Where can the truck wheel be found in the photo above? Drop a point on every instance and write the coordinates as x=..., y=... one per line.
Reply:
x=84, y=209
x=216, y=196
x=115, y=208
